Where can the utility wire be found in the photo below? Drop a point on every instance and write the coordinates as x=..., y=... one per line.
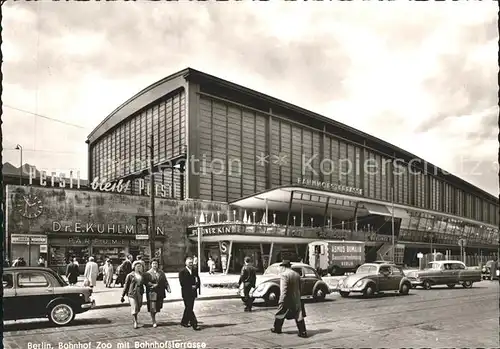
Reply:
x=45, y=151
x=46, y=117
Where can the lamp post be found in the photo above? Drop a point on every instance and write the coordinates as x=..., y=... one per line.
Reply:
x=152, y=203
x=392, y=222
x=20, y=148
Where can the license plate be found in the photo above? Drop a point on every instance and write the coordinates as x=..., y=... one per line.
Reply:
x=343, y=289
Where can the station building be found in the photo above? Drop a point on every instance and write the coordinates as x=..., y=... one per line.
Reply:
x=282, y=176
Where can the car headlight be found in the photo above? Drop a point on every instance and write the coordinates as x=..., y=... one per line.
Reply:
x=359, y=283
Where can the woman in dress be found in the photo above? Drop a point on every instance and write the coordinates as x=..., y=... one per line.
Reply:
x=134, y=290
x=108, y=273
x=156, y=285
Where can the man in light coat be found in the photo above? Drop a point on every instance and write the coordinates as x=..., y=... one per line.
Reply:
x=91, y=272
x=290, y=305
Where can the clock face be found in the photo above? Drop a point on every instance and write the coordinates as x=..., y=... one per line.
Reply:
x=29, y=206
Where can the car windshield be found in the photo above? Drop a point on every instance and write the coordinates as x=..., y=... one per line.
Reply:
x=366, y=269
x=272, y=270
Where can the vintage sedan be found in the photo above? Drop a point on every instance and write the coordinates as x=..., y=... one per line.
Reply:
x=30, y=292
x=371, y=278
x=268, y=285
x=449, y=273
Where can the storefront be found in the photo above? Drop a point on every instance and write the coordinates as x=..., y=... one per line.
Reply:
x=116, y=249
x=29, y=247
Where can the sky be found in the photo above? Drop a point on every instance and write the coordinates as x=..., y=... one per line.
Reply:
x=422, y=76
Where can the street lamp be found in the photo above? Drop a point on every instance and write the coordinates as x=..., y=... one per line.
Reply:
x=20, y=148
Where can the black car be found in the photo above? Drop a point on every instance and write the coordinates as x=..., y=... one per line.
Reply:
x=30, y=292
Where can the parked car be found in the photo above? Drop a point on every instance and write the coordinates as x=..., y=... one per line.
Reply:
x=268, y=285
x=486, y=271
x=31, y=292
x=448, y=273
x=371, y=278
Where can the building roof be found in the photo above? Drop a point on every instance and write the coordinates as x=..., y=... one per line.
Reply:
x=196, y=75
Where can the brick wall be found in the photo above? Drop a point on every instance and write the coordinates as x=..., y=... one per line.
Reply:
x=69, y=206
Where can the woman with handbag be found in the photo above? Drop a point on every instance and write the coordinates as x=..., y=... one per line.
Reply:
x=156, y=285
x=134, y=289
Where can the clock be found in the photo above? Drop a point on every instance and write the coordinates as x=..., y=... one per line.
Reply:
x=29, y=206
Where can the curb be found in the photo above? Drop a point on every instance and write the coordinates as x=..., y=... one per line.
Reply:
x=208, y=298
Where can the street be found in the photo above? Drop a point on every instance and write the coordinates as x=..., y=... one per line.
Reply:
x=437, y=318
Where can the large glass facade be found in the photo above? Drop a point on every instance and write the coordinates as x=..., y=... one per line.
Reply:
x=123, y=150
x=422, y=227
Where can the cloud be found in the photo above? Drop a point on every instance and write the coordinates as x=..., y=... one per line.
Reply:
x=422, y=77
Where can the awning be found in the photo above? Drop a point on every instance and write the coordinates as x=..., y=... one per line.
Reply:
x=399, y=212
x=380, y=210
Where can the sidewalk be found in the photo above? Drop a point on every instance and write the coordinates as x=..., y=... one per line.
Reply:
x=217, y=286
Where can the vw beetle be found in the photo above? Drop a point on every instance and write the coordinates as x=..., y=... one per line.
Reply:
x=268, y=285
x=371, y=278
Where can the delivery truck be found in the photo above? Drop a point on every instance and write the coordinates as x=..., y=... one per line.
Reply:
x=336, y=257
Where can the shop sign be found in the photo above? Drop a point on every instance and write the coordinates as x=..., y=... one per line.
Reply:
x=28, y=239
x=220, y=230
x=43, y=248
x=92, y=228
x=329, y=186
x=88, y=241
x=223, y=247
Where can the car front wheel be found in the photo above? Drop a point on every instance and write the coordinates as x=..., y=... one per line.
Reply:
x=427, y=285
x=369, y=291
x=405, y=289
x=61, y=314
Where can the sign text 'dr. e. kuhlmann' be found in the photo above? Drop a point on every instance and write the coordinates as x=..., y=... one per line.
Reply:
x=92, y=228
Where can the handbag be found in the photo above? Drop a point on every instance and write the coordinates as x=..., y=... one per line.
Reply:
x=153, y=296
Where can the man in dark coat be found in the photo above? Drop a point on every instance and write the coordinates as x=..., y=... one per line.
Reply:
x=493, y=269
x=248, y=278
x=290, y=305
x=72, y=272
x=190, y=283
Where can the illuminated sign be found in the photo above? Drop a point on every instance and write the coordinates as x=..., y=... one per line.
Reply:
x=329, y=186
x=62, y=179
x=92, y=228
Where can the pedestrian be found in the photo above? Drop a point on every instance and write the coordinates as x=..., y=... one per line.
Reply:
x=211, y=266
x=6, y=262
x=156, y=285
x=108, y=273
x=190, y=284
x=41, y=262
x=290, y=305
x=493, y=269
x=134, y=290
x=139, y=259
x=248, y=278
x=20, y=262
x=195, y=263
x=72, y=272
x=75, y=261
x=91, y=272
x=123, y=270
